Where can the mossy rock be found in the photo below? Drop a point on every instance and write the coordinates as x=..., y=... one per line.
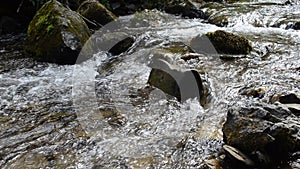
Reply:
x=228, y=43
x=56, y=34
x=96, y=12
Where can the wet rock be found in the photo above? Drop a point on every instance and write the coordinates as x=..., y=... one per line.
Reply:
x=268, y=131
x=117, y=121
x=296, y=26
x=139, y=96
x=213, y=164
x=231, y=57
x=177, y=48
x=56, y=34
x=289, y=98
x=220, y=21
x=254, y=92
x=114, y=42
x=202, y=44
x=292, y=101
x=96, y=12
x=114, y=117
x=110, y=112
x=122, y=46
x=295, y=108
x=228, y=43
x=180, y=83
x=184, y=8
x=238, y=155
x=190, y=56
x=179, y=7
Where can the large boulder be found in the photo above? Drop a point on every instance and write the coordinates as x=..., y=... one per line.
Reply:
x=96, y=12
x=56, y=34
x=268, y=134
x=228, y=43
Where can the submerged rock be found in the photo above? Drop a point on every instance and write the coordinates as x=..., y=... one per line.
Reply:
x=266, y=131
x=56, y=34
x=96, y=12
x=228, y=43
x=257, y=92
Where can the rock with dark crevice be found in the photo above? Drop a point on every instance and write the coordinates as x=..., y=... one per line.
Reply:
x=270, y=131
x=180, y=83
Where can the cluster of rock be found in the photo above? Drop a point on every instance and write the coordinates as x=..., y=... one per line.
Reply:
x=269, y=134
x=57, y=30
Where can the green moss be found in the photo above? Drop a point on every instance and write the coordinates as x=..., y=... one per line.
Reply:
x=45, y=39
x=49, y=28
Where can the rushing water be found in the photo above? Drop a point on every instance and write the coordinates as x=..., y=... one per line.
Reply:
x=48, y=120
